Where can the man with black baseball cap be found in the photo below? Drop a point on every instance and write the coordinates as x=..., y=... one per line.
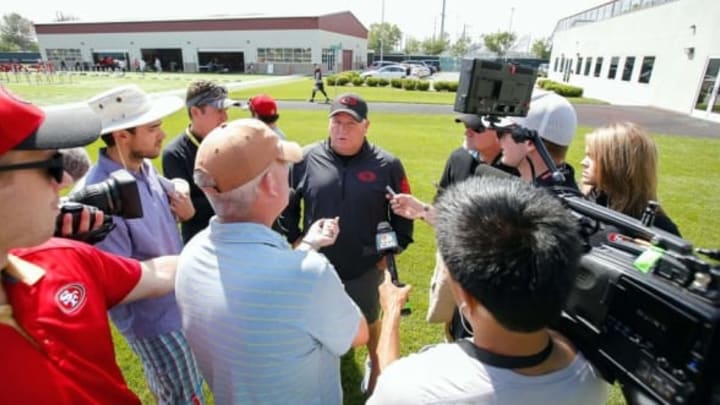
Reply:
x=345, y=176
x=54, y=293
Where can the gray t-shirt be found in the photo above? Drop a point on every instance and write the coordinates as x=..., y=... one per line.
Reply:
x=445, y=374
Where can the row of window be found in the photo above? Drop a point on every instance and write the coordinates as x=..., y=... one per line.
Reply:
x=564, y=65
x=286, y=55
x=607, y=10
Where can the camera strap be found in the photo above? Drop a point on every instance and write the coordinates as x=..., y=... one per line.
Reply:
x=503, y=361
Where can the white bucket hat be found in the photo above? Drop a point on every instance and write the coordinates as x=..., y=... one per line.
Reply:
x=129, y=106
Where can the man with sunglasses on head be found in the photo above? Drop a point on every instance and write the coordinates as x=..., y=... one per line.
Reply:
x=132, y=131
x=54, y=333
x=207, y=104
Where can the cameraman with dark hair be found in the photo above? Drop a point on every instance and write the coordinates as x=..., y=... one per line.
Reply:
x=512, y=252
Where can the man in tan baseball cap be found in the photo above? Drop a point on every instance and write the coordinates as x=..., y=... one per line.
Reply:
x=246, y=296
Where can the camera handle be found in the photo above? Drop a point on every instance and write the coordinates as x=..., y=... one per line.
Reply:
x=520, y=134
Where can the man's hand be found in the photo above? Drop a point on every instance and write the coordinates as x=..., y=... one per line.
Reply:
x=322, y=232
x=392, y=297
x=66, y=230
x=181, y=205
x=407, y=206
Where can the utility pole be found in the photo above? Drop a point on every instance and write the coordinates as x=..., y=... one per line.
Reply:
x=442, y=22
x=512, y=11
x=382, y=30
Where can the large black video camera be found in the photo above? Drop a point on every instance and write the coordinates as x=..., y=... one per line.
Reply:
x=118, y=195
x=644, y=309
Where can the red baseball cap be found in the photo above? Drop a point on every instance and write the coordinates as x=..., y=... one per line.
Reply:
x=24, y=126
x=263, y=105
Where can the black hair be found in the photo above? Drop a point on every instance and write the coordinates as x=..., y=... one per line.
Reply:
x=511, y=246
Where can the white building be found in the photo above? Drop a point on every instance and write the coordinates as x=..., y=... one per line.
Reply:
x=279, y=45
x=661, y=53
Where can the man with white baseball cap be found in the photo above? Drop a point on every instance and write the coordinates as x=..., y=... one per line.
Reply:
x=131, y=129
x=555, y=121
x=268, y=324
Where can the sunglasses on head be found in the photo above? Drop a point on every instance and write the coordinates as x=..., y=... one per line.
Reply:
x=208, y=97
x=55, y=166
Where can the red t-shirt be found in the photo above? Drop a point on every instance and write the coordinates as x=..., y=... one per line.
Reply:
x=65, y=313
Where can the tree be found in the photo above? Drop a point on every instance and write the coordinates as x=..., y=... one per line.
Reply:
x=17, y=33
x=461, y=46
x=499, y=42
x=542, y=48
x=390, y=35
x=435, y=46
x=60, y=16
x=412, y=46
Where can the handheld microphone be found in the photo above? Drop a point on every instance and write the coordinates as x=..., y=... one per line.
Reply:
x=386, y=244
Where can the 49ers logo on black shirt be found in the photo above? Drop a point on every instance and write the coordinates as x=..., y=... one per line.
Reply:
x=71, y=298
x=366, y=176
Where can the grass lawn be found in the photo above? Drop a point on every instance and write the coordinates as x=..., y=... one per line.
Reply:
x=690, y=174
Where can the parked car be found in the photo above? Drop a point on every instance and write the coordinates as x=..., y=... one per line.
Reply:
x=380, y=63
x=430, y=68
x=386, y=72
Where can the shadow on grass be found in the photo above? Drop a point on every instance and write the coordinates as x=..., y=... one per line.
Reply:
x=351, y=377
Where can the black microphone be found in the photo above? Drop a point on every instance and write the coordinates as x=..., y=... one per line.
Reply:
x=387, y=245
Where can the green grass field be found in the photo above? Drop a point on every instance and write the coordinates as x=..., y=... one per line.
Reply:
x=689, y=179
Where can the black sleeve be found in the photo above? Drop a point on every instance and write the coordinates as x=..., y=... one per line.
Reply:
x=174, y=163
x=290, y=219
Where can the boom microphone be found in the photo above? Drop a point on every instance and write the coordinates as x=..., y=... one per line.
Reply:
x=484, y=170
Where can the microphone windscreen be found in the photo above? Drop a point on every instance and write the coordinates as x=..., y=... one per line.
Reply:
x=484, y=170
x=76, y=162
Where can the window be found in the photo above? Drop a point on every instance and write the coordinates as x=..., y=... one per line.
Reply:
x=612, y=72
x=69, y=55
x=628, y=69
x=588, y=63
x=578, y=68
x=646, y=69
x=555, y=65
x=284, y=55
x=598, y=66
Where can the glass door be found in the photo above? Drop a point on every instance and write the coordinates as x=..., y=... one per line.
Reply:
x=708, y=100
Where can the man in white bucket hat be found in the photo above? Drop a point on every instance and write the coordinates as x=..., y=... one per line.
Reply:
x=131, y=129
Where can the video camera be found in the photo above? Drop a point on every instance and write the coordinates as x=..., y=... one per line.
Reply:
x=645, y=310
x=118, y=195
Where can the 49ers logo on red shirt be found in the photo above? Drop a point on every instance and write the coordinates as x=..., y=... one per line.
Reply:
x=71, y=298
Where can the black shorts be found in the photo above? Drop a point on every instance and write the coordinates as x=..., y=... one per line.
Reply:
x=319, y=85
x=364, y=291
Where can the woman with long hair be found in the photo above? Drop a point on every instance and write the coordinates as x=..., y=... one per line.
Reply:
x=620, y=171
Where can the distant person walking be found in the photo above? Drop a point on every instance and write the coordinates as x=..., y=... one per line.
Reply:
x=319, y=85
x=158, y=65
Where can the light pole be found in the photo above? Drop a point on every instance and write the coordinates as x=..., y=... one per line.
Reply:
x=442, y=22
x=382, y=29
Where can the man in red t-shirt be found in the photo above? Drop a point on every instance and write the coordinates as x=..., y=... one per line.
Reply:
x=55, y=340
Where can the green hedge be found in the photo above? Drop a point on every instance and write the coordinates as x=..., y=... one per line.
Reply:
x=396, y=83
x=372, y=82
x=358, y=81
x=562, y=89
x=452, y=86
x=409, y=84
x=382, y=82
x=330, y=80
x=423, y=85
x=342, y=80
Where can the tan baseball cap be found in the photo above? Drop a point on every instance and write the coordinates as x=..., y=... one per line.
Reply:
x=238, y=151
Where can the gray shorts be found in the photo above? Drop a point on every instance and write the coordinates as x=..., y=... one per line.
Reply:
x=364, y=291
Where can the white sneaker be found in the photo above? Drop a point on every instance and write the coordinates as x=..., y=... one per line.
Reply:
x=366, y=377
